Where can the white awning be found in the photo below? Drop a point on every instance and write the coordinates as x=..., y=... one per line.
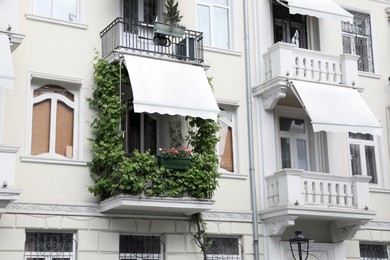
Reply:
x=7, y=75
x=319, y=8
x=173, y=88
x=336, y=108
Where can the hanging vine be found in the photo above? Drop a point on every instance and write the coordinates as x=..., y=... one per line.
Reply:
x=115, y=173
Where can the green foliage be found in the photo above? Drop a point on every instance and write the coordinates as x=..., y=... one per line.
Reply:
x=172, y=15
x=114, y=173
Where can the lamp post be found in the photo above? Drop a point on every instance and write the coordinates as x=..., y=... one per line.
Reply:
x=300, y=242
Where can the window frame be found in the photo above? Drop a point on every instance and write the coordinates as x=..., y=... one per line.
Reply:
x=141, y=8
x=211, y=23
x=73, y=85
x=353, y=35
x=362, y=143
x=311, y=147
x=232, y=110
x=49, y=255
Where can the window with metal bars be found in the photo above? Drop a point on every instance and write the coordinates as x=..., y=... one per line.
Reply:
x=140, y=247
x=50, y=246
x=223, y=248
x=357, y=40
x=373, y=252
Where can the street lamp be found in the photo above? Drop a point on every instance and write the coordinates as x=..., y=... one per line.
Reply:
x=300, y=243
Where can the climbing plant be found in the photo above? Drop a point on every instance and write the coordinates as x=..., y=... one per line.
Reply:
x=113, y=172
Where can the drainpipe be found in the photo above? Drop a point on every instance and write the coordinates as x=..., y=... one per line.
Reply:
x=250, y=134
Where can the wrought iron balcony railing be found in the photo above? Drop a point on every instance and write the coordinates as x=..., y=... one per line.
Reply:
x=138, y=38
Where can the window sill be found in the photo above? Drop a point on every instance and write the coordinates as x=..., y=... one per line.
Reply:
x=53, y=161
x=379, y=190
x=235, y=176
x=369, y=75
x=56, y=21
x=224, y=51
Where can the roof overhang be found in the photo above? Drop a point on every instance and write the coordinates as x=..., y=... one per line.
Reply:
x=319, y=8
x=168, y=87
x=7, y=75
x=336, y=108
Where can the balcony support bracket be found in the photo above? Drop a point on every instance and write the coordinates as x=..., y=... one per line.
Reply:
x=272, y=91
x=277, y=226
x=345, y=230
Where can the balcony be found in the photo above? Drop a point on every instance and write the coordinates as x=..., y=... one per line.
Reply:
x=341, y=200
x=138, y=38
x=287, y=60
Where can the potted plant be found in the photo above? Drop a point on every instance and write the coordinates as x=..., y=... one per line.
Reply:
x=175, y=158
x=171, y=18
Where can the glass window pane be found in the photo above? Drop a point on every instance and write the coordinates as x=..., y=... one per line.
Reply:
x=221, y=28
x=133, y=132
x=302, y=154
x=65, y=10
x=286, y=154
x=370, y=163
x=292, y=125
x=64, y=130
x=226, y=147
x=42, y=7
x=220, y=2
x=139, y=244
x=150, y=134
x=41, y=127
x=204, y=23
x=361, y=136
x=355, y=159
x=223, y=246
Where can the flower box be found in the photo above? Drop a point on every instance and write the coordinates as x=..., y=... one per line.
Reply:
x=166, y=29
x=175, y=163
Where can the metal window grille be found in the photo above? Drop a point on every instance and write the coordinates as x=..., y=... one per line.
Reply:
x=139, y=247
x=49, y=246
x=374, y=252
x=357, y=40
x=223, y=248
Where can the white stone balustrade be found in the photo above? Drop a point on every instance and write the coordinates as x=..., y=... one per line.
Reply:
x=291, y=186
x=287, y=60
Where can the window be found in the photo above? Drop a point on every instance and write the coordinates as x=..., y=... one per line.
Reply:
x=226, y=144
x=362, y=154
x=293, y=143
x=141, y=10
x=214, y=21
x=49, y=246
x=290, y=28
x=140, y=131
x=53, y=122
x=373, y=252
x=138, y=247
x=357, y=40
x=223, y=248
x=67, y=10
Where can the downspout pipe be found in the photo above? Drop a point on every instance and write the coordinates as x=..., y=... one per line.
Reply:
x=250, y=133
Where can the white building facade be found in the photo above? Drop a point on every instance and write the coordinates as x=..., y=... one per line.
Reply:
x=314, y=75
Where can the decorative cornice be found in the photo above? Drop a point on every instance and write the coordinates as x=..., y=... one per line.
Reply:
x=376, y=225
x=93, y=210
x=53, y=209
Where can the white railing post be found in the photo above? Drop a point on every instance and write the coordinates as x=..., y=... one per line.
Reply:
x=290, y=187
x=361, y=198
x=7, y=162
x=349, y=69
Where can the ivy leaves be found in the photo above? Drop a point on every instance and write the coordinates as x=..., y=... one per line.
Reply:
x=113, y=172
